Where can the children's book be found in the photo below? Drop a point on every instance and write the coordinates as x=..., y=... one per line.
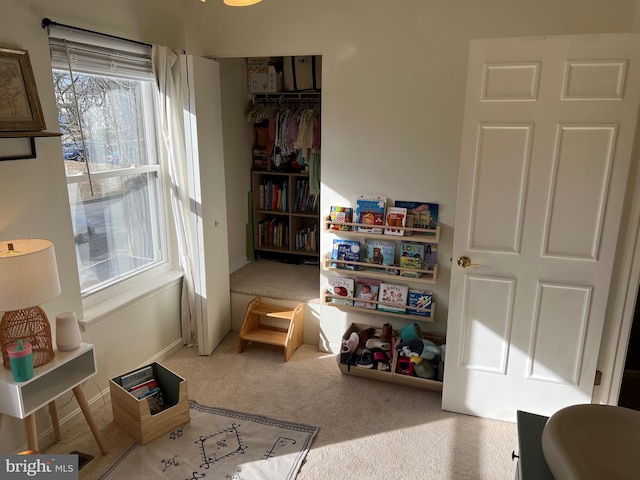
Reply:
x=142, y=389
x=430, y=256
x=370, y=211
x=136, y=377
x=344, y=287
x=346, y=250
x=419, y=299
x=393, y=298
x=412, y=256
x=155, y=399
x=366, y=289
x=341, y=214
x=425, y=215
x=380, y=252
x=395, y=217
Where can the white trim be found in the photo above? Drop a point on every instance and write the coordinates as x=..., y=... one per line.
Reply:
x=116, y=172
x=115, y=305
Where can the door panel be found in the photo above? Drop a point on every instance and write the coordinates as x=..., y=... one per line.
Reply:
x=547, y=140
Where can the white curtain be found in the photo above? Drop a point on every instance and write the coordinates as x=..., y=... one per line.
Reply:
x=166, y=67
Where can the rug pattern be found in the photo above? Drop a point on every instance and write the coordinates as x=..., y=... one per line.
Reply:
x=220, y=444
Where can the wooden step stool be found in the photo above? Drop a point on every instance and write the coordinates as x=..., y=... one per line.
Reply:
x=253, y=330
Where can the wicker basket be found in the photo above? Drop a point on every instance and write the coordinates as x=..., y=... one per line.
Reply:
x=29, y=325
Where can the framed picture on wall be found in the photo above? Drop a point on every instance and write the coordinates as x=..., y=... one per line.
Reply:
x=20, y=109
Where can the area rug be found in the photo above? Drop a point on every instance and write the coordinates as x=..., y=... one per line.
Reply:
x=219, y=444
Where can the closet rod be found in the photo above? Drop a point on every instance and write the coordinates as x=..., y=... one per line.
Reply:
x=47, y=22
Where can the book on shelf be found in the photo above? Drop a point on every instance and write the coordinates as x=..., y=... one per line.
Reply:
x=412, y=257
x=393, y=298
x=424, y=215
x=379, y=252
x=419, y=299
x=370, y=212
x=430, y=256
x=366, y=289
x=136, y=377
x=342, y=215
x=396, y=217
x=343, y=287
x=348, y=250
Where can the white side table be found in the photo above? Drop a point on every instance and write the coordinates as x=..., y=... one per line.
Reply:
x=67, y=371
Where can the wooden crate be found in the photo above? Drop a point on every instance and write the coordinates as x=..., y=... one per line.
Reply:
x=392, y=376
x=133, y=414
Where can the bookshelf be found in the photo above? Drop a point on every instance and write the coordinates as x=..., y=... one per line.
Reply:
x=285, y=215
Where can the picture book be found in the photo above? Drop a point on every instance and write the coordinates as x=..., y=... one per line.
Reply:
x=341, y=214
x=430, y=256
x=344, y=287
x=155, y=399
x=380, y=252
x=136, y=377
x=393, y=298
x=142, y=389
x=412, y=256
x=425, y=215
x=370, y=212
x=419, y=299
x=348, y=250
x=395, y=217
x=366, y=289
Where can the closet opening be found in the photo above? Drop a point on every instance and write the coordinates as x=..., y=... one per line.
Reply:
x=273, y=155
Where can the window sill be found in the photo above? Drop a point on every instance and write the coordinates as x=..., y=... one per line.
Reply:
x=102, y=312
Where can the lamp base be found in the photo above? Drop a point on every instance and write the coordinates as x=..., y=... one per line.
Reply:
x=29, y=325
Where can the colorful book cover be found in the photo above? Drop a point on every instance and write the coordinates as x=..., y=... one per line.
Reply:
x=344, y=287
x=370, y=211
x=419, y=299
x=393, y=298
x=425, y=215
x=412, y=256
x=380, y=252
x=395, y=217
x=346, y=250
x=366, y=289
x=430, y=256
x=341, y=214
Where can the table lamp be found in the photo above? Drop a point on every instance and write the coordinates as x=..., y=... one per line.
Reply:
x=28, y=277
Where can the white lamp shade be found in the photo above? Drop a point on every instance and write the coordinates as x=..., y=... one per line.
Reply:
x=241, y=3
x=28, y=273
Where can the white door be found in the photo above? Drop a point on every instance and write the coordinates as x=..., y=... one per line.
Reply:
x=203, y=133
x=547, y=140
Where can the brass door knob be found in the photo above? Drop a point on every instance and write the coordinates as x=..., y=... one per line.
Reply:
x=464, y=262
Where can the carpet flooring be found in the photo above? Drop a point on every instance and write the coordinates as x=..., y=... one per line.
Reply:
x=367, y=429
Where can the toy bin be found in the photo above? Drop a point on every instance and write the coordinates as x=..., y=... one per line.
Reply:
x=134, y=415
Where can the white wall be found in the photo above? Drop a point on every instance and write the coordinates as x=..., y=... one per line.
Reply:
x=33, y=193
x=393, y=89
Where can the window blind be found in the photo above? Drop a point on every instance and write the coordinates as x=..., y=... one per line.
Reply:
x=96, y=54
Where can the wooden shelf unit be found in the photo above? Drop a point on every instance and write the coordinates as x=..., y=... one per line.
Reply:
x=256, y=329
x=287, y=217
x=406, y=316
x=372, y=270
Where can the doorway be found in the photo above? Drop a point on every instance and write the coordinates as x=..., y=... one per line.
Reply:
x=630, y=387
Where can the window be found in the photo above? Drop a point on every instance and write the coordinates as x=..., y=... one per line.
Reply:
x=105, y=98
